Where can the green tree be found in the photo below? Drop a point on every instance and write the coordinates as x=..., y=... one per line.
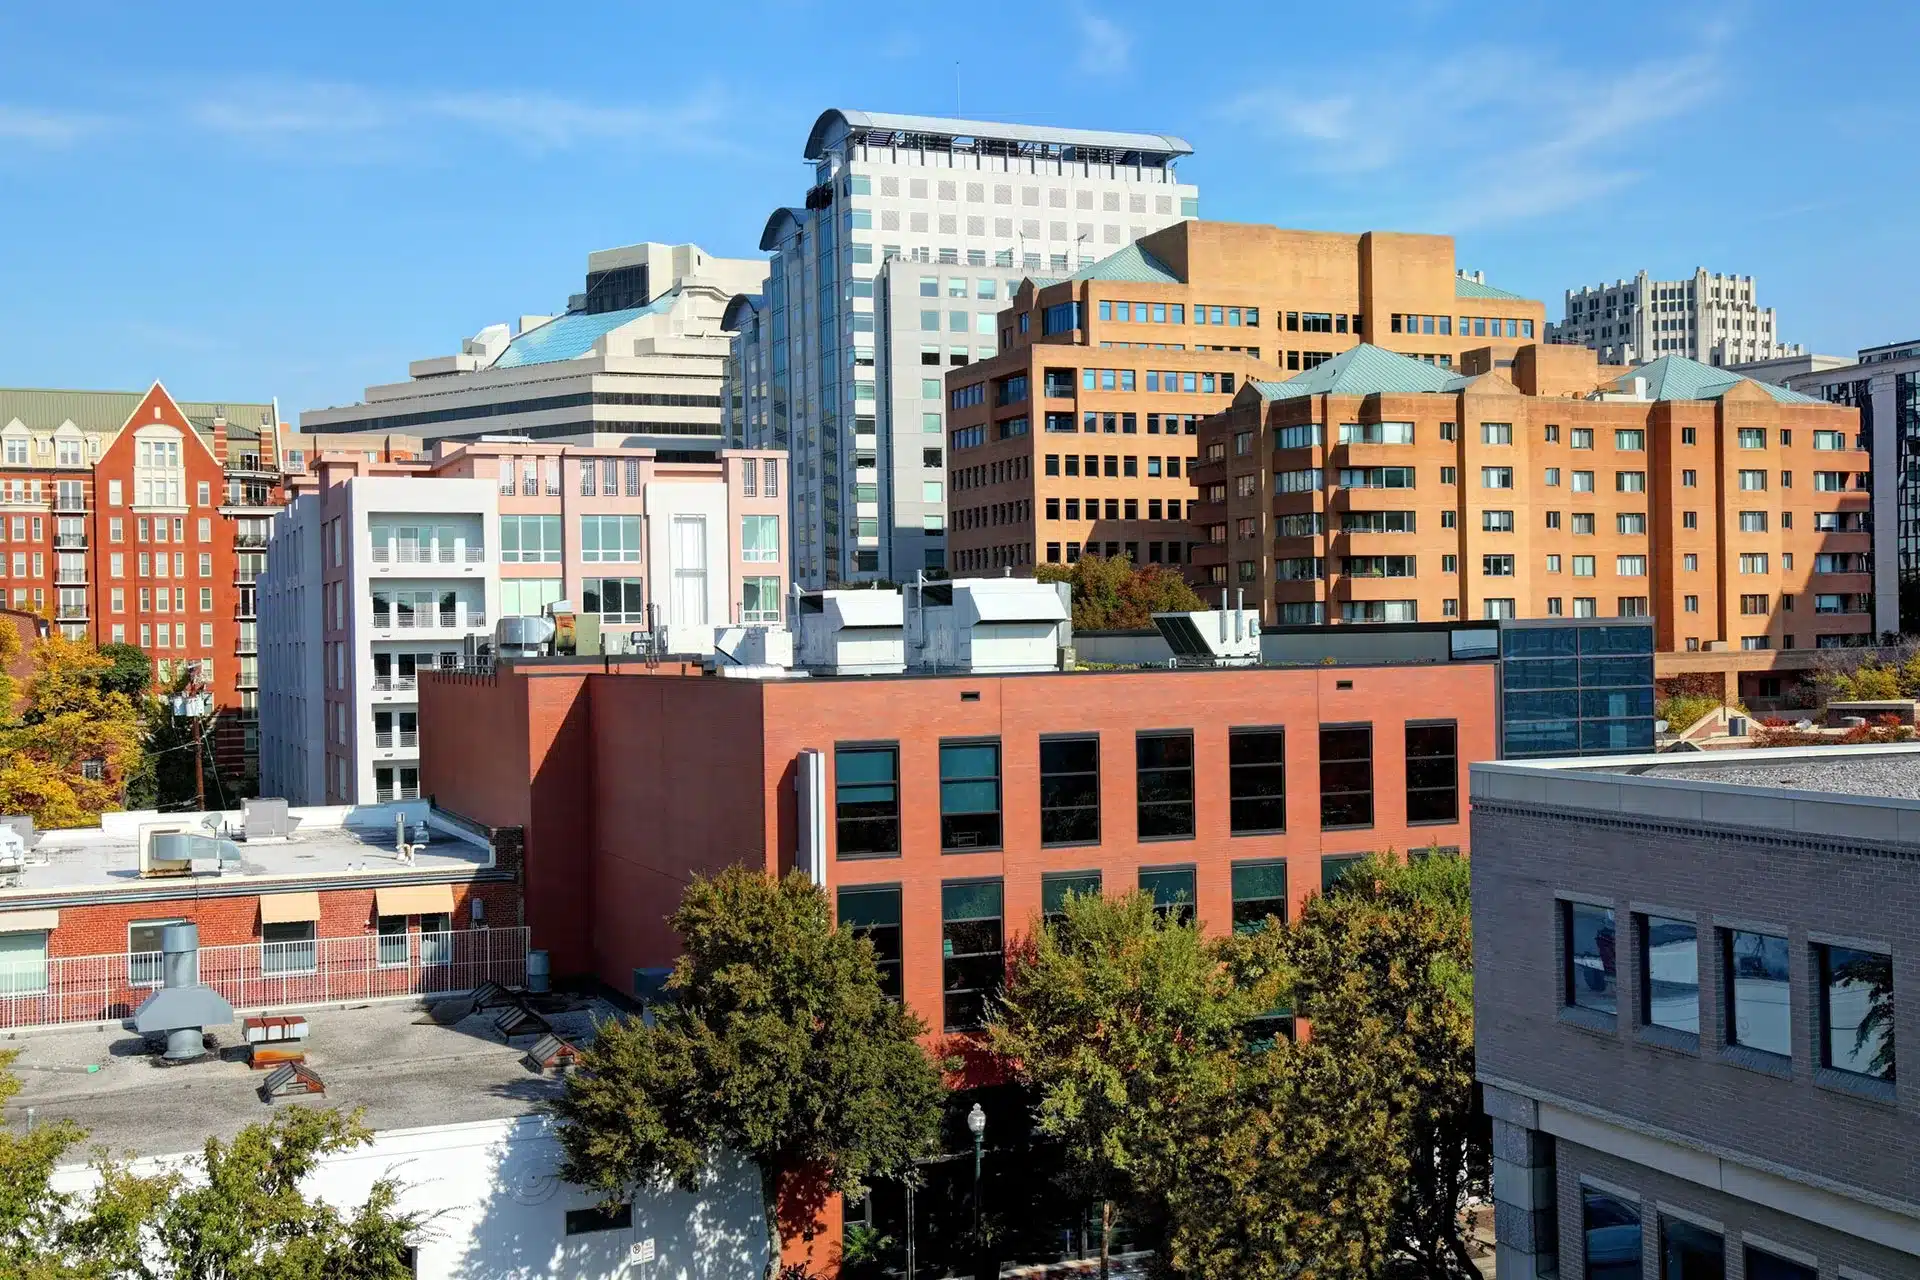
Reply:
x=130, y=671
x=1114, y=595
x=1390, y=949
x=776, y=1045
x=1128, y=1027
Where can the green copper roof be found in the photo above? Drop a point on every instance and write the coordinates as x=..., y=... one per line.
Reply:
x=1363, y=371
x=1678, y=378
x=44, y=409
x=1132, y=264
x=1465, y=288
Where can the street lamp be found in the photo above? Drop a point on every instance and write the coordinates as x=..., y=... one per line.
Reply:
x=977, y=1126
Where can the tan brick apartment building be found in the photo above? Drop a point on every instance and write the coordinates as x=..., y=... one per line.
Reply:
x=1377, y=488
x=1139, y=348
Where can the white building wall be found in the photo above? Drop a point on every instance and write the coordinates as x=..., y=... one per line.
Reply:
x=686, y=631
x=292, y=704
x=1711, y=317
x=499, y=1208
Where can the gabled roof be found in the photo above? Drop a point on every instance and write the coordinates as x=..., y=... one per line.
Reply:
x=1132, y=265
x=941, y=126
x=571, y=336
x=1465, y=288
x=1363, y=371
x=1678, y=378
x=43, y=410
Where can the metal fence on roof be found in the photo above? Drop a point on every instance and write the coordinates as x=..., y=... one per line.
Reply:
x=63, y=990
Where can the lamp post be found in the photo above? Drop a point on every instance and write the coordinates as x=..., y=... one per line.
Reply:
x=977, y=1126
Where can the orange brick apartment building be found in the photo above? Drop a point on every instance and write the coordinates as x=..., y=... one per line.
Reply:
x=1139, y=348
x=137, y=518
x=1376, y=488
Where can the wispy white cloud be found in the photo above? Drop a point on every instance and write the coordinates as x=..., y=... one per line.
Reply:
x=318, y=117
x=38, y=127
x=1106, y=48
x=1493, y=134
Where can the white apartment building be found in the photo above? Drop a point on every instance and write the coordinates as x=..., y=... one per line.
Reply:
x=382, y=569
x=1709, y=317
x=639, y=355
x=894, y=268
x=384, y=575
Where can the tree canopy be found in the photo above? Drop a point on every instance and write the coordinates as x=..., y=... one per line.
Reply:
x=775, y=1043
x=72, y=752
x=1115, y=595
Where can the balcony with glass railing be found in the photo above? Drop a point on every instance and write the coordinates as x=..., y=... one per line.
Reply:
x=70, y=541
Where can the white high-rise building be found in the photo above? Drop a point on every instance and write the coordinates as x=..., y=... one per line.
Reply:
x=1709, y=317
x=894, y=268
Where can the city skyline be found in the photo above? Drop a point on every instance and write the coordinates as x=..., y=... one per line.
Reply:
x=323, y=208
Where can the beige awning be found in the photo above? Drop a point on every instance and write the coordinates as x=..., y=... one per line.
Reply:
x=414, y=900
x=29, y=921
x=286, y=908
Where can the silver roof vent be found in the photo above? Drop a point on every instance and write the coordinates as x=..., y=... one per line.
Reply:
x=184, y=1006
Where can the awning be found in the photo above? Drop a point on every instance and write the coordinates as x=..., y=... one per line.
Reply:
x=286, y=908
x=29, y=921
x=414, y=900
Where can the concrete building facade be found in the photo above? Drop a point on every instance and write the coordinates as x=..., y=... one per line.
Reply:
x=386, y=569
x=894, y=269
x=644, y=373
x=1686, y=1032
x=134, y=518
x=1713, y=318
x=1381, y=489
x=1140, y=348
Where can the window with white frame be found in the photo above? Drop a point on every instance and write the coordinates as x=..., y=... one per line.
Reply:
x=530, y=539
x=688, y=551
x=760, y=600
x=760, y=538
x=610, y=539
x=158, y=480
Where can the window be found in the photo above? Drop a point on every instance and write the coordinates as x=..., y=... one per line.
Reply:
x=1688, y=1252
x=1829, y=440
x=1496, y=433
x=1634, y=441
x=287, y=947
x=1055, y=886
x=1257, y=781
x=1762, y=1265
x=530, y=540
x=610, y=538
x=969, y=796
x=1611, y=1228
x=1630, y=566
x=1259, y=894
x=143, y=952
x=1670, y=974
x=1334, y=868
x=1163, y=780
x=1582, y=482
x=1632, y=524
x=972, y=949
x=157, y=479
x=873, y=913
x=1346, y=776
x=392, y=933
x=1590, y=973
x=1497, y=566
x=1629, y=482
x=1069, y=791
x=1496, y=521
x=1580, y=438
x=1753, y=437
x=1753, y=481
x=600, y=1217
x=866, y=797
x=1690, y=562
x=1759, y=1006
x=1753, y=562
x=1372, y=433
x=1823, y=481
x=1433, y=774
x=1172, y=890
x=1496, y=477
x=759, y=538
x=616, y=600
x=1856, y=1011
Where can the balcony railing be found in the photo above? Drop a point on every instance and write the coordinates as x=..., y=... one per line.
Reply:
x=426, y=618
x=385, y=794
x=394, y=684
x=69, y=504
x=432, y=553
x=70, y=577
x=383, y=739
x=409, y=737
x=266, y=975
x=70, y=541
x=71, y=613
x=250, y=541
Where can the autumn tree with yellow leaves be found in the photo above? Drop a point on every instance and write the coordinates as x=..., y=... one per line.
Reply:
x=68, y=757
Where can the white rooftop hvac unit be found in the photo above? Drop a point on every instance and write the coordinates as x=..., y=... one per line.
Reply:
x=1212, y=637
x=989, y=626
x=850, y=633
x=751, y=650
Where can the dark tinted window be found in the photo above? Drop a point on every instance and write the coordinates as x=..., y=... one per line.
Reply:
x=1070, y=791
x=1688, y=1252
x=1164, y=764
x=1765, y=1266
x=866, y=792
x=1612, y=1230
x=1591, y=974
x=1346, y=777
x=599, y=1218
x=973, y=951
x=1334, y=867
x=1856, y=1011
x=874, y=914
x=1670, y=974
x=1172, y=890
x=1259, y=892
x=1759, y=992
x=1433, y=773
x=969, y=795
x=1257, y=780
x=1055, y=886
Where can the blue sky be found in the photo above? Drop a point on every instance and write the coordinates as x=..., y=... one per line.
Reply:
x=263, y=200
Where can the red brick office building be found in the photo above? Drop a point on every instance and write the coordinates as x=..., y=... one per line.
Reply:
x=133, y=517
